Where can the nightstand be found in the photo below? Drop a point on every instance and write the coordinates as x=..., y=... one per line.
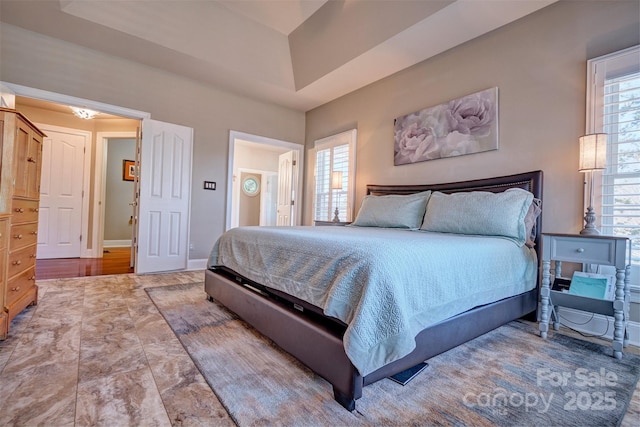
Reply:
x=583, y=249
x=331, y=222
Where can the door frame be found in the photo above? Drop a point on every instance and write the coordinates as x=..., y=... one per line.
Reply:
x=100, y=185
x=59, y=98
x=85, y=252
x=299, y=148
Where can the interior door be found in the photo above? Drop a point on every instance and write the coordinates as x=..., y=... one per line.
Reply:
x=164, y=197
x=268, y=199
x=286, y=163
x=60, y=218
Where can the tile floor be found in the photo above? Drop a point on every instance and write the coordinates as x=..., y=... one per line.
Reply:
x=95, y=351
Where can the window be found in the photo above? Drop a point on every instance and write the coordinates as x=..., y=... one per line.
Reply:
x=613, y=107
x=335, y=154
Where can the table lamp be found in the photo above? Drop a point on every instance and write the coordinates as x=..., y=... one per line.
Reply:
x=593, y=156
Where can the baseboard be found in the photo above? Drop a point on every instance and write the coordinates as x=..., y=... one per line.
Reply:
x=596, y=324
x=116, y=243
x=197, y=264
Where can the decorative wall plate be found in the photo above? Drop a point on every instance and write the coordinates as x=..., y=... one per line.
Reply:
x=251, y=186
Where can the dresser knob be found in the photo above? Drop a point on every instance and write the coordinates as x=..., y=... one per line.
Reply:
x=32, y=278
x=35, y=233
x=18, y=262
x=580, y=250
x=19, y=210
x=16, y=289
x=36, y=210
x=32, y=256
x=31, y=160
x=18, y=236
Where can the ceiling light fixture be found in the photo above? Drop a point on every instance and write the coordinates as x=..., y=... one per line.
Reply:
x=84, y=113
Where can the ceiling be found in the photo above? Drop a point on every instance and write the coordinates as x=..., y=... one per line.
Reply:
x=296, y=53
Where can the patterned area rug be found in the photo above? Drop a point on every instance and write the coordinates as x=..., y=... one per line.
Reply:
x=509, y=376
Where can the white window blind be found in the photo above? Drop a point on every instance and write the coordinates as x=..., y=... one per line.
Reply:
x=334, y=154
x=614, y=109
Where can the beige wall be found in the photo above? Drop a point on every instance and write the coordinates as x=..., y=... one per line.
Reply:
x=539, y=65
x=41, y=62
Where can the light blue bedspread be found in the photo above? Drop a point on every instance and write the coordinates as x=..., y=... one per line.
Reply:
x=385, y=284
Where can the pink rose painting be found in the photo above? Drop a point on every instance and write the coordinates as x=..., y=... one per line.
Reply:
x=463, y=126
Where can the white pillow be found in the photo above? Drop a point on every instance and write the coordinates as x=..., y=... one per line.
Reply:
x=480, y=213
x=393, y=211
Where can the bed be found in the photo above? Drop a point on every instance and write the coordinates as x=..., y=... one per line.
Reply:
x=330, y=296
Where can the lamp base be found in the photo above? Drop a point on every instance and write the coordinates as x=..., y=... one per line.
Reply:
x=590, y=219
x=335, y=215
x=590, y=231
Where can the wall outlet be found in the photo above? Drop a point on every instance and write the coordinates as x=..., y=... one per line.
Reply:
x=190, y=246
x=209, y=185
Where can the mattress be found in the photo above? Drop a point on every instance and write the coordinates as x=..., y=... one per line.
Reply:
x=386, y=284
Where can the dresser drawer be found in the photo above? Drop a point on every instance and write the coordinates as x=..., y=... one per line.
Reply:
x=583, y=250
x=23, y=235
x=24, y=211
x=21, y=259
x=20, y=285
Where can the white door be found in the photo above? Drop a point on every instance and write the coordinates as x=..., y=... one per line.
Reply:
x=60, y=217
x=164, y=201
x=285, y=185
x=268, y=199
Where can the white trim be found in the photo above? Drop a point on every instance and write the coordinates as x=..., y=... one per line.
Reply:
x=78, y=102
x=297, y=148
x=99, y=186
x=7, y=97
x=596, y=324
x=197, y=264
x=117, y=243
x=85, y=252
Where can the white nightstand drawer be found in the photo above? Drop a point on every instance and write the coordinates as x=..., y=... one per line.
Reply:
x=583, y=250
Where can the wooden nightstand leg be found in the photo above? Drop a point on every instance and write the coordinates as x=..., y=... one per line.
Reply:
x=619, y=322
x=544, y=299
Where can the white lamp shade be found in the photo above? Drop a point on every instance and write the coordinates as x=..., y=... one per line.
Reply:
x=336, y=180
x=593, y=152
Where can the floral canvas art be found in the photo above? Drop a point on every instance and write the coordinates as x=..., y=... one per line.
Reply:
x=463, y=126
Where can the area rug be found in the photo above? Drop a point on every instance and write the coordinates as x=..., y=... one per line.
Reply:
x=509, y=376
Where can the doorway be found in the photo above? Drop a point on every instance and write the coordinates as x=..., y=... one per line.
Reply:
x=163, y=218
x=118, y=195
x=258, y=160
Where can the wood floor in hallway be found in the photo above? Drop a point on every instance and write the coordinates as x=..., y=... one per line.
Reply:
x=114, y=261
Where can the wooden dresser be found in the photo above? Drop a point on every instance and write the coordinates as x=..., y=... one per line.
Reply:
x=21, y=146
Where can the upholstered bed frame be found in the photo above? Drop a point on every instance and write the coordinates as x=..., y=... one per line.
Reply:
x=302, y=330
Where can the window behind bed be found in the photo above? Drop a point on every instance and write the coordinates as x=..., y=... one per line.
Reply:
x=613, y=107
x=334, y=154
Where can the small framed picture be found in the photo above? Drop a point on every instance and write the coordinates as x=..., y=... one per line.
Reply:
x=128, y=170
